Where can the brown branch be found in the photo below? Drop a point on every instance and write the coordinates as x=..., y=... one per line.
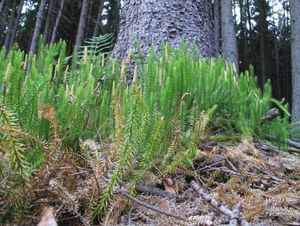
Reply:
x=148, y=206
x=216, y=204
x=159, y=192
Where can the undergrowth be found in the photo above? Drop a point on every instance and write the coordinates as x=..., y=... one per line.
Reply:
x=175, y=101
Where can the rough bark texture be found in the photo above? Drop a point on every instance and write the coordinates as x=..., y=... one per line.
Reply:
x=229, y=42
x=38, y=26
x=217, y=24
x=295, y=22
x=99, y=18
x=82, y=23
x=154, y=21
x=54, y=32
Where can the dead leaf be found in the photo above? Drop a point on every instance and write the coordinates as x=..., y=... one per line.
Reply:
x=48, y=218
x=171, y=186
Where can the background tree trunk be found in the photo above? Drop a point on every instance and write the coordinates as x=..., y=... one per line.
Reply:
x=54, y=32
x=295, y=26
x=15, y=24
x=10, y=26
x=99, y=18
x=1, y=5
x=217, y=23
x=37, y=27
x=47, y=30
x=263, y=27
x=153, y=21
x=82, y=23
x=229, y=41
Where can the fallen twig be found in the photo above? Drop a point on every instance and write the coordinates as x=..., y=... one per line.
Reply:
x=159, y=192
x=236, y=214
x=148, y=206
x=271, y=114
x=214, y=203
x=294, y=150
x=293, y=143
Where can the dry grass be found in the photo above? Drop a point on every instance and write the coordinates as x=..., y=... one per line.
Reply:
x=266, y=182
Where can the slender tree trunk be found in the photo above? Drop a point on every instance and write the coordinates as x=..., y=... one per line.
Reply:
x=263, y=26
x=217, y=23
x=47, y=30
x=99, y=19
x=243, y=37
x=229, y=41
x=54, y=32
x=15, y=25
x=37, y=27
x=89, y=28
x=153, y=21
x=82, y=23
x=113, y=19
x=295, y=26
x=1, y=5
x=248, y=11
x=10, y=26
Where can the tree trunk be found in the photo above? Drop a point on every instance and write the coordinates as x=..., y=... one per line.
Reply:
x=10, y=26
x=250, y=30
x=229, y=41
x=15, y=25
x=1, y=5
x=113, y=19
x=295, y=26
x=243, y=48
x=47, y=30
x=154, y=21
x=82, y=23
x=37, y=27
x=217, y=23
x=263, y=26
x=61, y=7
x=99, y=18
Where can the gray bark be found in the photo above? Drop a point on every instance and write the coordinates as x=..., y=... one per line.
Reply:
x=263, y=27
x=15, y=24
x=99, y=18
x=154, y=21
x=82, y=23
x=10, y=26
x=54, y=32
x=48, y=21
x=229, y=41
x=217, y=24
x=37, y=27
x=1, y=5
x=295, y=26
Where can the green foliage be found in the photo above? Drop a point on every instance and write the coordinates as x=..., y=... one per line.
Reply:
x=98, y=45
x=175, y=101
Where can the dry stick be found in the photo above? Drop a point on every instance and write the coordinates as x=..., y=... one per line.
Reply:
x=236, y=214
x=145, y=189
x=293, y=143
x=271, y=114
x=214, y=203
x=148, y=206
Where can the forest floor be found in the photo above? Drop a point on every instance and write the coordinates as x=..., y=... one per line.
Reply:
x=230, y=184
